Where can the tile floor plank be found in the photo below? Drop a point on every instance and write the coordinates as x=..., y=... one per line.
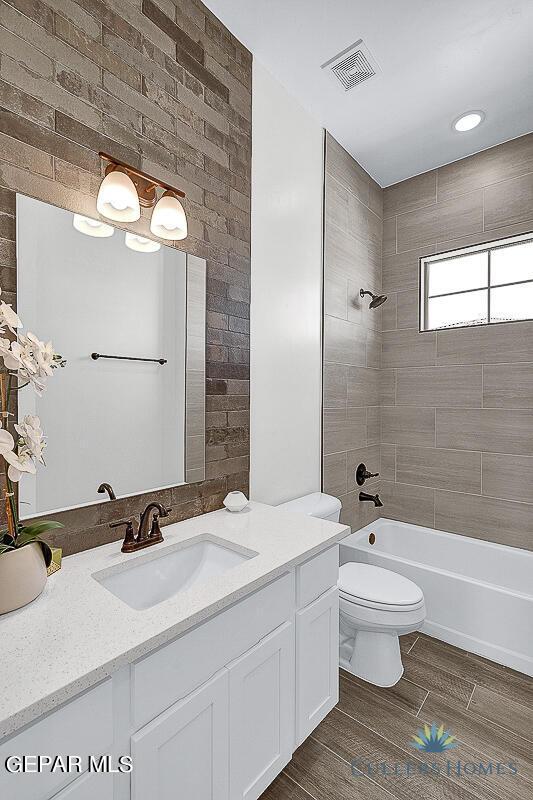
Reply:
x=351, y=740
x=497, y=743
x=397, y=726
x=434, y=678
x=404, y=694
x=470, y=667
x=493, y=706
x=283, y=788
x=326, y=777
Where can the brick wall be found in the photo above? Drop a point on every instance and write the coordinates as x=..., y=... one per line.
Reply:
x=164, y=87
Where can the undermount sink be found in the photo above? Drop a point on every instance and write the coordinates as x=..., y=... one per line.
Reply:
x=148, y=580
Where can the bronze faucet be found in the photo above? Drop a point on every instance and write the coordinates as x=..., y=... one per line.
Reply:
x=132, y=541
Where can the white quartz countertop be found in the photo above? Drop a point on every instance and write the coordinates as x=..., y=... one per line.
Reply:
x=77, y=632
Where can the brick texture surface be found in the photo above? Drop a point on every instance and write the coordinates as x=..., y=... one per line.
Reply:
x=165, y=87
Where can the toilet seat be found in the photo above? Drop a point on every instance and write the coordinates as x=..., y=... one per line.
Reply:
x=394, y=609
x=374, y=587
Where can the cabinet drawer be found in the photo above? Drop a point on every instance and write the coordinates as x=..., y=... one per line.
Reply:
x=316, y=576
x=167, y=675
x=80, y=728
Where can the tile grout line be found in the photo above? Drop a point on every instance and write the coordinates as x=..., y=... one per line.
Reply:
x=299, y=785
x=460, y=677
x=470, y=698
x=415, y=641
x=422, y=704
x=349, y=763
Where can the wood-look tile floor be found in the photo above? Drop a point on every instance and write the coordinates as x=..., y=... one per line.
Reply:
x=489, y=708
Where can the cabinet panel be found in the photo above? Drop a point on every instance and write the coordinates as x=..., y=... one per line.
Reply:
x=184, y=752
x=81, y=727
x=317, y=662
x=173, y=671
x=89, y=786
x=261, y=713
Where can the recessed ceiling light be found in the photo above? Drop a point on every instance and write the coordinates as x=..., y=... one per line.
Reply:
x=468, y=121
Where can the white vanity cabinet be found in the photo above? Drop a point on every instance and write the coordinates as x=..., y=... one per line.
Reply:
x=214, y=714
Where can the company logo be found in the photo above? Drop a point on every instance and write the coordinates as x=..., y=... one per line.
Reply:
x=433, y=740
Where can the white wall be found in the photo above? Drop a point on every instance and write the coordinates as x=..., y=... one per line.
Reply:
x=286, y=310
x=115, y=421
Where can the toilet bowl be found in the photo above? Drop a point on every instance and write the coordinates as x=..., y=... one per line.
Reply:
x=376, y=606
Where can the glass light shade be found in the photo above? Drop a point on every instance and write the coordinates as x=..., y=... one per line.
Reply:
x=141, y=244
x=92, y=227
x=117, y=198
x=168, y=218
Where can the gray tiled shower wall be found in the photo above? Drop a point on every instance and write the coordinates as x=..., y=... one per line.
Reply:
x=451, y=410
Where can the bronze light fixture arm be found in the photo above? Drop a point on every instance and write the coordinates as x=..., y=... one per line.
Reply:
x=145, y=184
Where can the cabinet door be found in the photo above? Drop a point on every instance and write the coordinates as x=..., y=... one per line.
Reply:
x=183, y=753
x=261, y=713
x=317, y=662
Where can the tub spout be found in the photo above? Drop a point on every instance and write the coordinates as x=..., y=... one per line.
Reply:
x=374, y=498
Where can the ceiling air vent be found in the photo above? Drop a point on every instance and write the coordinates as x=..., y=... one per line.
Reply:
x=353, y=66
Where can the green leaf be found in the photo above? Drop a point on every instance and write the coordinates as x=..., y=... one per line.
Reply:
x=4, y=548
x=7, y=539
x=47, y=553
x=36, y=528
x=25, y=538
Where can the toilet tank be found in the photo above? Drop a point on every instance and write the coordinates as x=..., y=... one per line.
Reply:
x=317, y=504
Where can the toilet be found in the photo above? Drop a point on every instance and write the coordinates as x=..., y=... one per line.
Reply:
x=376, y=606
x=317, y=504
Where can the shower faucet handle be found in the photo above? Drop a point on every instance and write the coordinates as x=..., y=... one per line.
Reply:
x=362, y=474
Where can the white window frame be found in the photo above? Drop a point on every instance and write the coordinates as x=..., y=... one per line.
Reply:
x=448, y=255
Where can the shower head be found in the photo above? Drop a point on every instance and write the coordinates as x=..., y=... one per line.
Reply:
x=377, y=299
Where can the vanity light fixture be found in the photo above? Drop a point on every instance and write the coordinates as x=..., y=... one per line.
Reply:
x=141, y=244
x=117, y=196
x=124, y=190
x=92, y=227
x=168, y=218
x=468, y=121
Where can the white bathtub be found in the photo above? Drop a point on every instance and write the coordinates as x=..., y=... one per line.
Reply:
x=479, y=595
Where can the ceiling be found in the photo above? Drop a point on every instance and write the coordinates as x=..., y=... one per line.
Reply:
x=439, y=58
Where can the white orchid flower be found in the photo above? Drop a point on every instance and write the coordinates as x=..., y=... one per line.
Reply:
x=18, y=463
x=43, y=355
x=10, y=357
x=8, y=317
x=32, y=439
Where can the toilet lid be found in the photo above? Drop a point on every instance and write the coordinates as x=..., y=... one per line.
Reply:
x=378, y=585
